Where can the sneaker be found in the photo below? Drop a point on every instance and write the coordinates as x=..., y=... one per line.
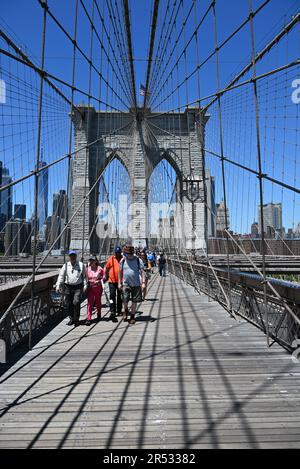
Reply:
x=113, y=318
x=87, y=322
x=70, y=323
x=132, y=319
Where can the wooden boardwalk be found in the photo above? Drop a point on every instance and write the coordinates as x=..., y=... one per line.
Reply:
x=186, y=375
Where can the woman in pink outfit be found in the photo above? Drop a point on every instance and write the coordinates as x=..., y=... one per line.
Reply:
x=94, y=275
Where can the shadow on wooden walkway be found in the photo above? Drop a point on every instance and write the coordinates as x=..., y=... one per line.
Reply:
x=186, y=375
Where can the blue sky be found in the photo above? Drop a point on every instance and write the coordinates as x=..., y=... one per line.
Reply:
x=279, y=117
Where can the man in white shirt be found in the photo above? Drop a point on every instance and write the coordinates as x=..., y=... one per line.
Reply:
x=131, y=274
x=72, y=281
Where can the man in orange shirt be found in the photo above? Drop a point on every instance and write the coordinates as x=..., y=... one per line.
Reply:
x=112, y=274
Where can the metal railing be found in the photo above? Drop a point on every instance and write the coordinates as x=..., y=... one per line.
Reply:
x=247, y=298
x=15, y=326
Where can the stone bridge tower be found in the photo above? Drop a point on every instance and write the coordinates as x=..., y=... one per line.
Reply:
x=140, y=142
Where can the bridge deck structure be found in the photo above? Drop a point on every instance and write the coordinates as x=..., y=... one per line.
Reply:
x=186, y=375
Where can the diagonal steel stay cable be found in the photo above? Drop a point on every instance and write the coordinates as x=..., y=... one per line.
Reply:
x=160, y=39
x=121, y=33
x=266, y=281
x=158, y=78
x=120, y=45
x=61, y=27
x=96, y=217
x=225, y=160
x=69, y=177
x=130, y=49
x=285, y=30
x=59, y=80
x=86, y=169
x=58, y=237
x=239, y=165
x=221, y=141
x=212, y=54
x=151, y=46
x=162, y=46
x=204, y=252
x=36, y=176
x=24, y=59
x=225, y=90
x=114, y=152
x=33, y=172
x=259, y=163
x=19, y=231
x=179, y=57
x=231, y=312
x=102, y=44
x=123, y=45
x=29, y=235
x=111, y=46
x=92, y=23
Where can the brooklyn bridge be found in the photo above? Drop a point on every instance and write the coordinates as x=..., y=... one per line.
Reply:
x=167, y=128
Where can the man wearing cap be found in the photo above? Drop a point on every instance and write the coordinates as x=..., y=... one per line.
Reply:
x=112, y=274
x=130, y=277
x=72, y=280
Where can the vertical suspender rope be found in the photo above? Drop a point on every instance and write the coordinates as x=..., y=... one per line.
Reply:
x=201, y=135
x=36, y=177
x=221, y=146
x=259, y=170
x=69, y=178
x=87, y=129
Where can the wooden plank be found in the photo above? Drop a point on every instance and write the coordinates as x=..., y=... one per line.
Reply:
x=192, y=377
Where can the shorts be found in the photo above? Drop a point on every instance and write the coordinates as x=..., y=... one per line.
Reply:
x=132, y=293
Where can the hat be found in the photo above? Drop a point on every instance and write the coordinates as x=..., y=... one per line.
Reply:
x=93, y=258
x=118, y=249
x=72, y=253
x=127, y=249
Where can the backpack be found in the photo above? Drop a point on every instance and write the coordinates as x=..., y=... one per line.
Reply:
x=137, y=259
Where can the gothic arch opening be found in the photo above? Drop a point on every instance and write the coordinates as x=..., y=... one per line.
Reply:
x=114, y=200
x=164, y=192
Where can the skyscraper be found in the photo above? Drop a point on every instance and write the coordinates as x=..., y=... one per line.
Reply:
x=60, y=204
x=6, y=196
x=221, y=217
x=254, y=230
x=17, y=237
x=42, y=197
x=20, y=211
x=211, y=204
x=55, y=223
x=272, y=214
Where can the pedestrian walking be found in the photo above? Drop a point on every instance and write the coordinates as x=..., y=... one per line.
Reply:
x=161, y=260
x=112, y=275
x=150, y=258
x=143, y=257
x=94, y=276
x=72, y=282
x=154, y=258
x=131, y=281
